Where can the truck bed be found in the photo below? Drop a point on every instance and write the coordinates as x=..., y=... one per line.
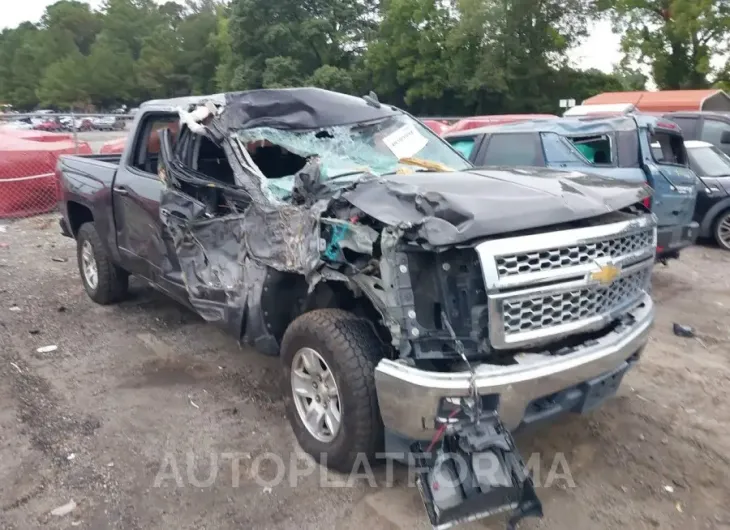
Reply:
x=100, y=168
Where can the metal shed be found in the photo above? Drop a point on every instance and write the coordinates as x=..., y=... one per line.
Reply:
x=667, y=100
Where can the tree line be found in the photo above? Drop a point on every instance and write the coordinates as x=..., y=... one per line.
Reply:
x=433, y=57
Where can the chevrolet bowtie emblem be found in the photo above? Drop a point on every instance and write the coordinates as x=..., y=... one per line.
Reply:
x=605, y=274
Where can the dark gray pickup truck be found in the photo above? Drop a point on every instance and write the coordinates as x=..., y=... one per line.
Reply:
x=419, y=305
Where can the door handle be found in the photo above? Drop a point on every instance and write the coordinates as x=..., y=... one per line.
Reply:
x=120, y=190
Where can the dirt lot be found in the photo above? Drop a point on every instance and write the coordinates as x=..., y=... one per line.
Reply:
x=147, y=386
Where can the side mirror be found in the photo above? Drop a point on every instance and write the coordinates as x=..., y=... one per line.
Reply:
x=725, y=137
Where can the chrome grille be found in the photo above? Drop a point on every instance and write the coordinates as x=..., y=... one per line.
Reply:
x=539, y=312
x=544, y=287
x=569, y=256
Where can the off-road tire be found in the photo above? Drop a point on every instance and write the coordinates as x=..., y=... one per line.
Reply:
x=113, y=282
x=716, y=230
x=351, y=348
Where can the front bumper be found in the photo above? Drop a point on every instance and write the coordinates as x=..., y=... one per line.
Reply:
x=672, y=239
x=410, y=398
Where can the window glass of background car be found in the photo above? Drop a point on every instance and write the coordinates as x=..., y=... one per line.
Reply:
x=708, y=161
x=596, y=148
x=464, y=145
x=688, y=126
x=514, y=150
x=712, y=131
x=147, y=155
x=559, y=150
x=667, y=148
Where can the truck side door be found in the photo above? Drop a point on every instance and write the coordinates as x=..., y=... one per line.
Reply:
x=136, y=200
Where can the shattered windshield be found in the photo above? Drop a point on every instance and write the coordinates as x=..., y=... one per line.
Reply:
x=396, y=144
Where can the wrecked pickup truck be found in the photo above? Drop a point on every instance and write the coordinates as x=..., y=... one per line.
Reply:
x=419, y=305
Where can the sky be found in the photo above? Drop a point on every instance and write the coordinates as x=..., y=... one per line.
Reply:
x=600, y=50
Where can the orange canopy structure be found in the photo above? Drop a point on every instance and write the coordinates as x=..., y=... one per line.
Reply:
x=667, y=100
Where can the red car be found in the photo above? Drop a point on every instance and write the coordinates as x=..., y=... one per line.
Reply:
x=496, y=119
x=48, y=125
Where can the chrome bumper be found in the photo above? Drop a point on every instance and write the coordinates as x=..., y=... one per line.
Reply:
x=409, y=398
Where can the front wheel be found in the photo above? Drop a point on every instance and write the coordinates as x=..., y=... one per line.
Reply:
x=329, y=359
x=105, y=283
x=722, y=230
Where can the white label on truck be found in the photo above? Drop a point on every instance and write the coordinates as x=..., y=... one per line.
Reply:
x=406, y=141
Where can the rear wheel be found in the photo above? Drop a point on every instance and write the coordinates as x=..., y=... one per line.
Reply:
x=105, y=283
x=329, y=359
x=722, y=230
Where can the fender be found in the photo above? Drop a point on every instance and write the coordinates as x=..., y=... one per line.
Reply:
x=711, y=215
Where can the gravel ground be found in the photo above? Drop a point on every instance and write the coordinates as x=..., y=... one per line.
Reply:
x=139, y=391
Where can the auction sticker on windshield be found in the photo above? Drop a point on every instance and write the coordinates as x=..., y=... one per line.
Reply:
x=406, y=141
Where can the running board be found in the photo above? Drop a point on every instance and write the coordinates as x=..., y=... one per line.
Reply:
x=475, y=473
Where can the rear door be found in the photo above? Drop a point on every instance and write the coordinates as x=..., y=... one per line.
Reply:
x=136, y=198
x=674, y=183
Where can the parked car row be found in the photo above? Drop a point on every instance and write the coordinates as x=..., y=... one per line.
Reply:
x=68, y=123
x=690, y=178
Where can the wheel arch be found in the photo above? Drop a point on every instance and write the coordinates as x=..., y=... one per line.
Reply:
x=708, y=221
x=78, y=214
x=286, y=296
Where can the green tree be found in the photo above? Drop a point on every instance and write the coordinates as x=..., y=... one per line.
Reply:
x=676, y=38
x=20, y=65
x=111, y=73
x=63, y=85
x=198, y=55
x=225, y=69
x=409, y=59
x=332, y=78
x=74, y=20
x=301, y=37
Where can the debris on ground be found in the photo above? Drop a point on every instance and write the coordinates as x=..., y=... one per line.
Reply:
x=61, y=309
x=14, y=308
x=59, y=260
x=4, y=245
x=65, y=509
x=34, y=331
x=16, y=367
x=193, y=403
x=47, y=349
x=3, y=228
x=681, y=330
x=71, y=456
x=669, y=489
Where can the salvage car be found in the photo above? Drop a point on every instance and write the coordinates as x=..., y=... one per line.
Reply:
x=418, y=304
x=712, y=212
x=615, y=147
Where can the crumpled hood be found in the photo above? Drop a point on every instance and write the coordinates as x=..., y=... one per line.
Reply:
x=451, y=208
